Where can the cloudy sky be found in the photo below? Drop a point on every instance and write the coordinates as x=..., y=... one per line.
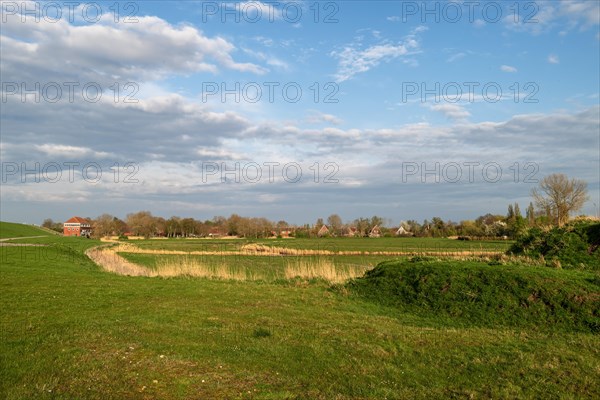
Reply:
x=295, y=109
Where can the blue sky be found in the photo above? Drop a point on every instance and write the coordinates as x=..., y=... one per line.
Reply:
x=370, y=125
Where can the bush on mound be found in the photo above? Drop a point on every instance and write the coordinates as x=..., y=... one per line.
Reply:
x=474, y=293
x=575, y=245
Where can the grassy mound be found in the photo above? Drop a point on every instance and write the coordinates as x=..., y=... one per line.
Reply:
x=474, y=293
x=12, y=230
x=575, y=245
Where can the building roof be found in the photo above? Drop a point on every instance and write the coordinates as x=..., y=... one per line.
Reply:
x=77, y=220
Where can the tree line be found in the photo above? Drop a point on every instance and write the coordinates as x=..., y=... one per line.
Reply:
x=556, y=198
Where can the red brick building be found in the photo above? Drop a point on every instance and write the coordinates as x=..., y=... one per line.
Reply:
x=77, y=226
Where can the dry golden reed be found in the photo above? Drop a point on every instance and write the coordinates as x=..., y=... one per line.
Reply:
x=255, y=249
x=322, y=269
x=187, y=266
x=110, y=260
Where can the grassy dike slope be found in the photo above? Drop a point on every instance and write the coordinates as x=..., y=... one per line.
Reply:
x=12, y=230
x=70, y=330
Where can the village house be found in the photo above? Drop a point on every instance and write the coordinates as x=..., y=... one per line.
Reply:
x=375, y=232
x=324, y=231
x=403, y=232
x=351, y=231
x=284, y=233
x=77, y=226
x=216, y=232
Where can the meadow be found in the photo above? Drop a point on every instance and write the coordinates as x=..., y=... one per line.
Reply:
x=395, y=244
x=72, y=330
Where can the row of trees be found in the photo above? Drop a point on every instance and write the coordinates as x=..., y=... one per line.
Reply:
x=143, y=223
x=556, y=198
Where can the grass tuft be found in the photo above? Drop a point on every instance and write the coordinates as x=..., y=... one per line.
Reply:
x=261, y=333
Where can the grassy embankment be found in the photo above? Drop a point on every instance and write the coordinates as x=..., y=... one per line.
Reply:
x=12, y=230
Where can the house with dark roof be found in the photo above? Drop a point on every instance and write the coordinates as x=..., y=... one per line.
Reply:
x=216, y=232
x=351, y=231
x=77, y=226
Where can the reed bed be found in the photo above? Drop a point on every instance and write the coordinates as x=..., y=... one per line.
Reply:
x=188, y=266
x=282, y=268
x=256, y=249
x=111, y=261
x=323, y=269
x=286, y=263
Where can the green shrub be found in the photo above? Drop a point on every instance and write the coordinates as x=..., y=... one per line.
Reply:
x=475, y=293
x=573, y=246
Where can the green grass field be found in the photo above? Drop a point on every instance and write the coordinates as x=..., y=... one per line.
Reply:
x=399, y=244
x=12, y=230
x=72, y=331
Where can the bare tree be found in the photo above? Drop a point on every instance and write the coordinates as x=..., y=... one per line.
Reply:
x=234, y=225
x=50, y=224
x=560, y=196
x=281, y=225
x=335, y=223
x=103, y=225
x=142, y=223
x=173, y=226
x=188, y=227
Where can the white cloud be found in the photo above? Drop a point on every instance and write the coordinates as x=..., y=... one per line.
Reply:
x=539, y=18
x=152, y=48
x=265, y=41
x=479, y=23
x=352, y=60
x=269, y=59
x=553, y=59
x=317, y=117
x=58, y=150
x=455, y=57
x=452, y=111
x=420, y=28
x=508, y=68
x=148, y=129
x=542, y=17
x=583, y=12
x=220, y=154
